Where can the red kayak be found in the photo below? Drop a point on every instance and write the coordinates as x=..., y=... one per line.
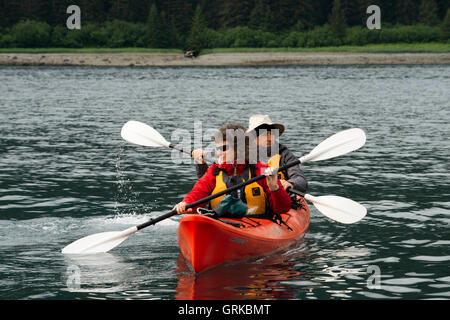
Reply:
x=206, y=242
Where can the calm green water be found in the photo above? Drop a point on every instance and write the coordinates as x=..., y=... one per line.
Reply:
x=66, y=173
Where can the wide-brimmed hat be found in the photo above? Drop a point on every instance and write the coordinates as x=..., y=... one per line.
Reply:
x=259, y=120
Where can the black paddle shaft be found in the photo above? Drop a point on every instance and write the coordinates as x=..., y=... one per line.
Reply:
x=292, y=190
x=207, y=159
x=215, y=195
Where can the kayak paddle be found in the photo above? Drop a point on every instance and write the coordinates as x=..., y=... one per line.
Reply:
x=338, y=144
x=336, y=208
x=142, y=134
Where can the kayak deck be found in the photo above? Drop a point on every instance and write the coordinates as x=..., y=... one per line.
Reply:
x=206, y=242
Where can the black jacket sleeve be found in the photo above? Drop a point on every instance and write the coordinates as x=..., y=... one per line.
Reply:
x=295, y=175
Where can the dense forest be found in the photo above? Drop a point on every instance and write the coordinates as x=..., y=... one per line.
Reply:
x=219, y=23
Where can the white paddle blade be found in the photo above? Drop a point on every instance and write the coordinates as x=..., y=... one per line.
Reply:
x=340, y=209
x=338, y=144
x=142, y=134
x=99, y=242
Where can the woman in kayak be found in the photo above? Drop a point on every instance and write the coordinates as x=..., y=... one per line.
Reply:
x=262, y=127
x=264, y=197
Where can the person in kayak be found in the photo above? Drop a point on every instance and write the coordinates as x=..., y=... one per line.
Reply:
x=263, y=127
x=265, y=197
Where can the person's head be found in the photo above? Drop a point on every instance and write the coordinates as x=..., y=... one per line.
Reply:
x=264, y=129
x=231, y=143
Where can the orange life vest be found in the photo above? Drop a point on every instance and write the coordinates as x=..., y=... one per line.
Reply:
x=274, y=162
x=254, y=195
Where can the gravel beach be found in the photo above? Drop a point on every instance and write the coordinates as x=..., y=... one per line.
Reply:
x=222, y=59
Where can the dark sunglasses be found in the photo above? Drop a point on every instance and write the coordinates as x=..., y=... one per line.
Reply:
x=223, y=148
x=264, y=129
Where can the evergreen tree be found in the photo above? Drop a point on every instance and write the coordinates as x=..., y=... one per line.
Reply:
x=256, y=15
x=388, y=10
x=180, y=12
x=261, y=17
x=355, y=11
x=406, y=11
x=268, y=22
x=168, y=36
x=446, y=26
x=322, y=11
x=92, y=11
x=443, y=6
x=337, y=19
x=233, y=13
x=428, y=12
x=119, y=10
x=198, y=26
x=172, y=34
x=305, y=14
x=40, y=10
x=3, y=21
x=284, y=13
x=153, y=33
x=138, y=10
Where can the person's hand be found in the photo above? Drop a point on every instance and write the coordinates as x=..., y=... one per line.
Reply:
x=198, y=155
x=180, y=208
x=271, y=179
x=286, y=184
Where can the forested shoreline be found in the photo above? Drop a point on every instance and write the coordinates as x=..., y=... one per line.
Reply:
x=220, y=24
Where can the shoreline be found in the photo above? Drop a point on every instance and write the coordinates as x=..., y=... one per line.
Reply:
x=220, y=59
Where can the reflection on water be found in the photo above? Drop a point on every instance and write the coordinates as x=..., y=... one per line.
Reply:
x=296, y=273
x=257, y=279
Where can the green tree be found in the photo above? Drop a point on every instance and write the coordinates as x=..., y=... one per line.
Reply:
x=261, y=17
x=92, y=11
x=233, y=13
x=174, y=36
x=3, y=21
x=180, y=12
x=138, y=10
x=58, y=15
x=256, y=15
x=406, y=11
x=388, y=11
x=306, y=14
x=428, y=12
x=284, y=13
x=198, y=26
x=168, y=33
x=120, y=9
x=337, y=19
x=153, y=33
x=355, y=11
x=445, y=27
x=31, y=34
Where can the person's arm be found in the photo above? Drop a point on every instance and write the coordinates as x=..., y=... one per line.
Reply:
x=296, y=176
x=202, y=188
x=278, y=198
x=200, y=165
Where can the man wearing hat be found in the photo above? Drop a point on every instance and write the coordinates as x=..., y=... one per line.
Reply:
x=274, y=153
x=265, y=134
